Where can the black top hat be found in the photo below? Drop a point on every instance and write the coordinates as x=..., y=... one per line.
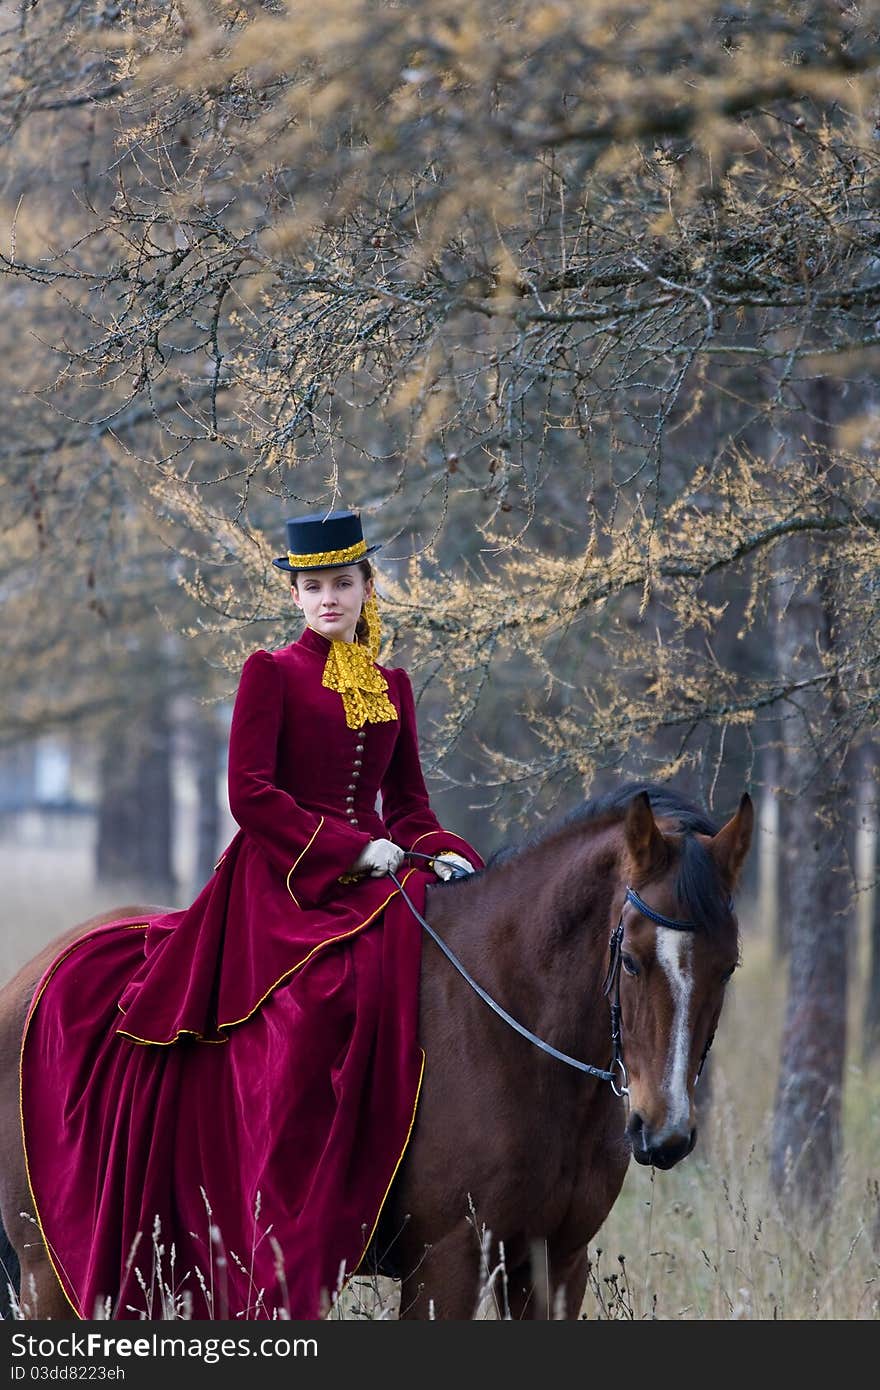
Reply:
x=323, y=540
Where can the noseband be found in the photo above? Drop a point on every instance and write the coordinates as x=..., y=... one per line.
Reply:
x=617, y=1071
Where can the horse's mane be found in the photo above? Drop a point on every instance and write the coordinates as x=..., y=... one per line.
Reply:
x=665, y=801
x=697, y=885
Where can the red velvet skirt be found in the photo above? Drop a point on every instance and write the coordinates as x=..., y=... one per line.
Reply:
x=236, y=1178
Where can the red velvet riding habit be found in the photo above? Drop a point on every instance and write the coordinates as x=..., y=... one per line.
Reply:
x=238, y=1081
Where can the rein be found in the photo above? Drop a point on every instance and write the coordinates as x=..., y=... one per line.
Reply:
x=487, y=998
x=611, y=986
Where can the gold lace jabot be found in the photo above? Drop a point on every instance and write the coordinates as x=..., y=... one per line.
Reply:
x=351, y=669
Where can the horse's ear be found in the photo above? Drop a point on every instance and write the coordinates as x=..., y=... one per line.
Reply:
x=643, y=839
x=731, y=845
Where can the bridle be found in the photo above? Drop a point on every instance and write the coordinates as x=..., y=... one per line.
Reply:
x=617, y=1070
x=612, y=984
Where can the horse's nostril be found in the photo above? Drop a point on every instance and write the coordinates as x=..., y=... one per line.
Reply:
x=672, y=1151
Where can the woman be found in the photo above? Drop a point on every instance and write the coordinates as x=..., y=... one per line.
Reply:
x=266, y=1160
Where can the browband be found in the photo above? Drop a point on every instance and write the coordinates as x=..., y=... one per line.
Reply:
x=646, y=911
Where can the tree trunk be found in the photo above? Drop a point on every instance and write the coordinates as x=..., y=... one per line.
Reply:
x=871, y=1028
x=806, y=1132
x=818, y=900
x=135, y=811
x=772, y=865
x=207, y=743
x=871, y=1018
x=156, y=796
x=119, y=808
x=780, y=754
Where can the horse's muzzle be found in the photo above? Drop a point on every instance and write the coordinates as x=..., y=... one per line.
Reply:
x=663, y=1154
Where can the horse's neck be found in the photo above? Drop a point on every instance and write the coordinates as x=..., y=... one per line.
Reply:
x=533, y=931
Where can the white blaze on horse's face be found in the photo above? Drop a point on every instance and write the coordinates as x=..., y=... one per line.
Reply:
x=673, y=951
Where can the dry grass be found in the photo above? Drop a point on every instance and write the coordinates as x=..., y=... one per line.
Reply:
x=707, y=1239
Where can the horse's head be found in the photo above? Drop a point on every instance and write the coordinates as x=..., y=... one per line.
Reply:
x=670, y=975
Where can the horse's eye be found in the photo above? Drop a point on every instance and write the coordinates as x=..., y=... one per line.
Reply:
x=727, y=975
x=630, y=965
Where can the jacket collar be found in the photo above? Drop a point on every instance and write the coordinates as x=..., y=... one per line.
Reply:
x=314, y=641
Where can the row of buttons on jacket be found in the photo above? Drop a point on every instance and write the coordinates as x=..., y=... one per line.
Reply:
x=355, y=774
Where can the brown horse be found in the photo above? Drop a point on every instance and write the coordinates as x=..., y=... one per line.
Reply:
x=610, y=939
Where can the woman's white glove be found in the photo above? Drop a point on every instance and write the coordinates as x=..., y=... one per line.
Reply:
x=378, y=857
x=445, y=865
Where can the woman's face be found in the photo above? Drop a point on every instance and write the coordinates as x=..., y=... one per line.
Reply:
x=331, y=600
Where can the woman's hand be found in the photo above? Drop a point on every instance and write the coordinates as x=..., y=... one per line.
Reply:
x=377, y=858
x=449, y=865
